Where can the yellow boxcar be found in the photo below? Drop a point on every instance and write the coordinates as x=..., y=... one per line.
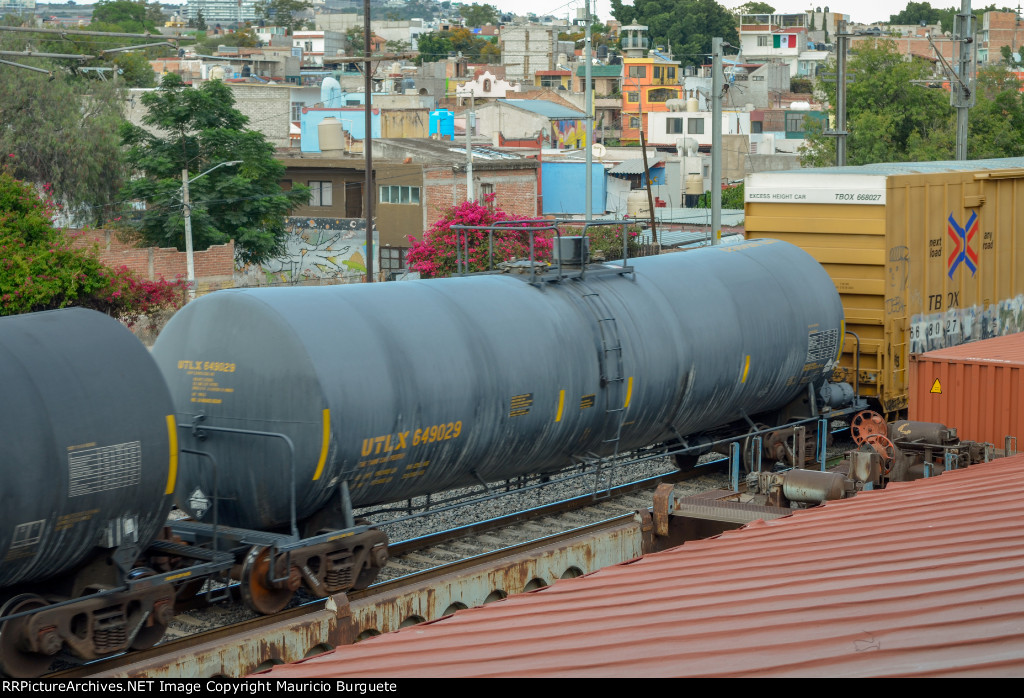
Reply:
x=924, y=255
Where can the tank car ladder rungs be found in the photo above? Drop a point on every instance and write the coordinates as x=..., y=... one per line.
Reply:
x=610, y=364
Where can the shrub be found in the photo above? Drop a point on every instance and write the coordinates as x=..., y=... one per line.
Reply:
x=435, y=254
x=40, y=270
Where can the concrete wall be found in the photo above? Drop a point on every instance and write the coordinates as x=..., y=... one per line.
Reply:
x=268, y=108
x=316, y=250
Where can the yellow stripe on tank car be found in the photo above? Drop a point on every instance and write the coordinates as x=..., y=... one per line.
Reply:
x=746, y=369
x=842, y=339
x=324, y=444
x=561, y=405
x=629, y=392
x=172, y=464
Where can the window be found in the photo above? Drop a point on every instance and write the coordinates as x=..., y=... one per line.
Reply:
x=634, y=122
x=763, y=41
x=662, y=94
x=486, y=190
x=637, y=71
x=757, y=78
x=392, y=259
x=670, y=73
x=795, y=122
x=674, y=125
x=657, y=72
x=296, y=111
x=320, y=194
x=399, y=195
x=308, y=46
x=695, y=126
x=756, y=126
x=633, y=97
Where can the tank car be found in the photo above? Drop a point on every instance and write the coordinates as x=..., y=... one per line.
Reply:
x=89, y=459
x=304, y=397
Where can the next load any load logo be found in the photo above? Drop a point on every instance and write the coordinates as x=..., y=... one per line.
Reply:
x=962, y=238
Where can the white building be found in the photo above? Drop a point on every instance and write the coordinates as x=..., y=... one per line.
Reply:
x=486, y=86
x=317, y=44
x=222, y=11
x=672, y=127
x=782, y=38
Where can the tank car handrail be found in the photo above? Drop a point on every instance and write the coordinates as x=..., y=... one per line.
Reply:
x=504, y=225
x=198, y=428
x=462, y=245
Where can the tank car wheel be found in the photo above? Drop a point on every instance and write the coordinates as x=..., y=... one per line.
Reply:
x=257, y=592
x=866, y=423
x=685, y=462
x=885, y=448
x=150, y=633
x=13, y=661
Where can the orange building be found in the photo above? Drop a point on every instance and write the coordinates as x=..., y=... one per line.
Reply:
x=649, y=80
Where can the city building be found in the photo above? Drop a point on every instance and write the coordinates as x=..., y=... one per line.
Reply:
x=221, y=11
x=650, y=79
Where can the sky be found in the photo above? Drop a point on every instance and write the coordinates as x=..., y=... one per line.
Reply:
x=863, y=11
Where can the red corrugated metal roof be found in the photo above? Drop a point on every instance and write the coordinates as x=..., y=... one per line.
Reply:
x=921, y=579
x=1008, y=349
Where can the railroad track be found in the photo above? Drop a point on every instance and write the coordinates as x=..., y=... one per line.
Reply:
x=572, y=530
x=426, y=578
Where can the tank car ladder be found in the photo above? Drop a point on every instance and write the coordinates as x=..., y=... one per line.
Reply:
x=612, y=380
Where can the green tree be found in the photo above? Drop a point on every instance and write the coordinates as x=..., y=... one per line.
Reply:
x=40, y=269
x=1008, y=58
x=732, y=197
x=889, y=117
x=688, y=25
x=200, y=21
x=135, y=69
x=284, y=13
x=130, y=16
x=753, y=8
x=48, y=127
x=479, y=15
x=202, y=130
x=432, y=47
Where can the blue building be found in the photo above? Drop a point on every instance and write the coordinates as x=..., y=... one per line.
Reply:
x=564, y=185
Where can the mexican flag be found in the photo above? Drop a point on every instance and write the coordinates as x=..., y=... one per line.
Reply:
x=784, y=40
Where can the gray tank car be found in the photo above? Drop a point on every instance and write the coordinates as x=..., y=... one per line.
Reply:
x=396, y=390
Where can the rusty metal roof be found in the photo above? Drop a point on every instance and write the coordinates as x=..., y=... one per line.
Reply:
x=920, y=579
x=1008, y=349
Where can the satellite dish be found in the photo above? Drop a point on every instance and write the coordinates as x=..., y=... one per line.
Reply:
x=598, y=150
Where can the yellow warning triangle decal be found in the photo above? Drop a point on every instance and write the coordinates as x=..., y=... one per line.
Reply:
x=936, y=387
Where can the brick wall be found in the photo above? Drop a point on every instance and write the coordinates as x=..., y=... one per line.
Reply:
x=515, y=191
x=215, y=267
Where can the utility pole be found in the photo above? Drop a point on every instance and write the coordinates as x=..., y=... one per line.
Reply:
x=717, y=82
x=190, y=265
x=470, y=127
x=368, y=139
x=961, y=94
x=842, y=39
x=589, y=101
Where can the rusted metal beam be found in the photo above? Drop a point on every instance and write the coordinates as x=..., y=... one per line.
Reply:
x=335, y=621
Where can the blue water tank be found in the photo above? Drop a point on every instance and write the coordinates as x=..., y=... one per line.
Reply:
x=442, y=121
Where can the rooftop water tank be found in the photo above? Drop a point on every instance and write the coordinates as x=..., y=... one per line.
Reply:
x=329, y=133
